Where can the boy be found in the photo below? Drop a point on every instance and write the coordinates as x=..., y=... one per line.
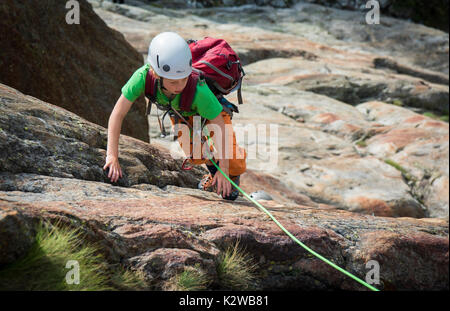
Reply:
x=170, y=63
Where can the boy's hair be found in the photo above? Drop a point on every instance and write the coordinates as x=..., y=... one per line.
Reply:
x=153, y=72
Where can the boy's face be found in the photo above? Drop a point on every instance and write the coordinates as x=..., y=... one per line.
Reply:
x=175, y=86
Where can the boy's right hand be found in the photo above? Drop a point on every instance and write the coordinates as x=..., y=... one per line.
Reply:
x=114, y=168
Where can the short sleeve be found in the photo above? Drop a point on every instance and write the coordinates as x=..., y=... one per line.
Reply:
x=205, y=102
x=136, y=84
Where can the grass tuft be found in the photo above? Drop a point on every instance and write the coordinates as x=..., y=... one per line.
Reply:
x=124, y=279
x=191, y=279
x=49, y=265
x=401, y=169
x=361, y=143
x=397, y=102
x=443, y=118
x=396, y=166
x=235, y=268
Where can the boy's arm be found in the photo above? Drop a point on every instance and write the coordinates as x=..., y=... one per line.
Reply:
x=119, y=112
x=223, y=185
x=227, y=142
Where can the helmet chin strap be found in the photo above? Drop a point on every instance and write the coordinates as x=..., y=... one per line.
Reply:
x=171, y=96
x=162, y=85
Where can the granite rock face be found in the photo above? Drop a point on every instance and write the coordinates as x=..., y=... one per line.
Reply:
x=320, y=72
x=80, y=67
x=431, y=13
x=41, y=138
x=160, y=225
x=159, y=232
x=16, y=232
x=305, y=29
x=350, y=159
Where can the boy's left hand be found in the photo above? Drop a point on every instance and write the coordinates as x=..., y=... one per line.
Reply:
x=223, y=185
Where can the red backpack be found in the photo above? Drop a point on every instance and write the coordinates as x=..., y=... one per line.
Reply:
x=219, y=64
x=212, y=60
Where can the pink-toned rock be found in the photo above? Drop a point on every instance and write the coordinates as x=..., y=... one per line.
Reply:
x=16, y=235
x=330, y=163
x=253, y=181
x=41, y=138
x=80, y=67
x=161, y=232
x=389, y=248
x=164, y=263
x=349, y=64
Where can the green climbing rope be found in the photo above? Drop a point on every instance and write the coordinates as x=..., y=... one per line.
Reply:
x=285, y=230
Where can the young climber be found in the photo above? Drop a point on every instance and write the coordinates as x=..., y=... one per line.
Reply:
x=170, y=63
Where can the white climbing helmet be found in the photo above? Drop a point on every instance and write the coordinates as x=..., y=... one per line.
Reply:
x=170, y=56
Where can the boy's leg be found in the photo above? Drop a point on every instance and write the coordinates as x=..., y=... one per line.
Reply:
x=237, y=164
x=187, y=150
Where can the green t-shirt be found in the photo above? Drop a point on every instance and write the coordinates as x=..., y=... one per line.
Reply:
x=204, y=103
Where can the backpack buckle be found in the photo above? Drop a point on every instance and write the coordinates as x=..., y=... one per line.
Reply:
x=229, y=64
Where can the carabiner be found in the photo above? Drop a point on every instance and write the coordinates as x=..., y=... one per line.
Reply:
x=186, y=168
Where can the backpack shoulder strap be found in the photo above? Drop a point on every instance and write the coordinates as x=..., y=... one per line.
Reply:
x=150, y=87
x=150, y=91
x=189, y=91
